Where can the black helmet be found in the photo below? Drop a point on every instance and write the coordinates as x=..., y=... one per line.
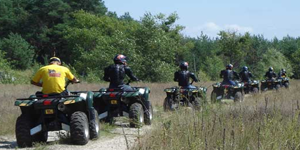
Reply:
x=271, y=69
x=245, y=68
x=184, y=65
x=229, y=66
x=283, y=70
x=120, y=59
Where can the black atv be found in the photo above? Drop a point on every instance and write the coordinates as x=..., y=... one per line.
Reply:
x=52, y=112
x=116, y=102
x=270, y=84
x=224, y=91
x=251, y=87
x=179, y=96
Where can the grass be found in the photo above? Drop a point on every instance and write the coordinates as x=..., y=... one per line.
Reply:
x=265, y=121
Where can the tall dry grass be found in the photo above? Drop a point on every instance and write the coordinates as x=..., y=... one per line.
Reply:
x=9, y=93
x=265, y=121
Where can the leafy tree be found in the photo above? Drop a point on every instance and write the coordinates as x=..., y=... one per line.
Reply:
x=17, y=51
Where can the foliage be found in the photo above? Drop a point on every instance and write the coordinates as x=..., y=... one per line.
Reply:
x=17, y=51
x=86, y=36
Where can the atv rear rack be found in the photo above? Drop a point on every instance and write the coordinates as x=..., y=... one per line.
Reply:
x=65, y=96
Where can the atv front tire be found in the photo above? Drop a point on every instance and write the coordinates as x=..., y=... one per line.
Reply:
x=255, y=90
x=79, y=128
x=197, y=103
x=23, y=126
x=136, y=114
x=286, y=85
x=213, y=97
x=277, y=86
x=168, y=104
x=238, y=97
x=149, y=115
x=94, y=126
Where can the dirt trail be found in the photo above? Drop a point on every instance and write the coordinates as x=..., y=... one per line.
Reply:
x=115, y=142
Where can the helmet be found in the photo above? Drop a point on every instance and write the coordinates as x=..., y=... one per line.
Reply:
x=271, y=69
x=229, y=66
x=120, y=59
x=54, y=59
x=283, y=70
x=245, y=68
x=184, y=65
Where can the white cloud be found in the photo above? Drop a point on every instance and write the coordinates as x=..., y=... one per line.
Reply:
x=238, y=28
x=212, y=29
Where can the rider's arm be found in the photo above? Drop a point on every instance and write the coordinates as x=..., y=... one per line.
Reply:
x=176, y=76
x=250, y=75
x=130, y=74
x=194, y=77
x=106, y=74
x=236, y=75
x=70, y=76
x=221, y=74
x=37, y=78
x=36, y=83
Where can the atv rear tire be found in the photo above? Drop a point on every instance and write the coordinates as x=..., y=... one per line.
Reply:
x=149, y=115
x=213, y=97
x=94, y=126
x=238, y=97
x=79, y=128
x=23, y=126
x=136, y=114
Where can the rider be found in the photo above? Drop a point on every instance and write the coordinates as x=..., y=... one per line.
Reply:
x=228, y=75
x=270, y=74
x=245, y=75
x=282, y=74
x=53, y=77
x=116, y=73
x=183, y=76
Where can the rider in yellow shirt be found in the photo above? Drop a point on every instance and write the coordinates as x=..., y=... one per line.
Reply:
x=52, y=77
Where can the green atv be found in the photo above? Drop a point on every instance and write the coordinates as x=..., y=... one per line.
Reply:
x=270, y=84
x=224, y=91
x=284, y=81
x=52, y=112
x=116, y=102
x=178, y=96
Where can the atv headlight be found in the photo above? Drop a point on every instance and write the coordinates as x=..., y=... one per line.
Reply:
x=83, y=95
x=142, y=91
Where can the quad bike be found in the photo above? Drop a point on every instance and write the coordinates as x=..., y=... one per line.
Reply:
x=116, y=102
x=52, y=112
x=252, y=87
x=223, y=91
x=284, y=81
x=178, y=96
x=270, y=84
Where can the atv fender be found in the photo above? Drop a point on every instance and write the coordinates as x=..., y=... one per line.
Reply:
x=89, y=100
x=25, y=103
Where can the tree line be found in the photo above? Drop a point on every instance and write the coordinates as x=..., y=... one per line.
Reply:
x=86, y=36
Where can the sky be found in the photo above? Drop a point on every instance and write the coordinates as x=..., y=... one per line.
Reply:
x=269, y=18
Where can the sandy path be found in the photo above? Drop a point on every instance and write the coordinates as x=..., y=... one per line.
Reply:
x=115, y=142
